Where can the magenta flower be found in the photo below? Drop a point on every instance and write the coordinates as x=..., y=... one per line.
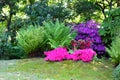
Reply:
x=57, y=54
x=60, y=54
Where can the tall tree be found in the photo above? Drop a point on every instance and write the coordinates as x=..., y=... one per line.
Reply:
x=105, y=5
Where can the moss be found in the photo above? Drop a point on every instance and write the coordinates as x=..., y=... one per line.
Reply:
x=66, y=70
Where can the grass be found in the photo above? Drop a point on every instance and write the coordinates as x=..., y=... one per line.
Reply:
x=38, y=69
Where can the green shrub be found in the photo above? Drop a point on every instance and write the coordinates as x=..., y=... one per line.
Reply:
x=15, y=52
x=111, y=26
x=58, y=34
x=116, y=73
x=3, y=44
x=86, y=9
x=2, y=41
x=7, y=49
x=43, y=10
x=114, y=51
x=2, y=29
x=31, y=38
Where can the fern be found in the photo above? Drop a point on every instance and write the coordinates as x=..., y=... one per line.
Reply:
x=31, y=38
x=58, y=34
x=114, y=51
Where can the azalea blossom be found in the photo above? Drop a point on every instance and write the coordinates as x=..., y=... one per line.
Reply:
x=60, y=54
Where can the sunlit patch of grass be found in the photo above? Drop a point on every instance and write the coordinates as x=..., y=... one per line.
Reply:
x=66, y=70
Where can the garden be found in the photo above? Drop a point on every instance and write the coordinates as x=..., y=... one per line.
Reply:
x=59, y=40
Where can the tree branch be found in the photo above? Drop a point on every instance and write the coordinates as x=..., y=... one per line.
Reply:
x=102, y=7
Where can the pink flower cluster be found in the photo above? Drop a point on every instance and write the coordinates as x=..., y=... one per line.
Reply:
x=86, y=55
x=57, y=54
x=60, y=54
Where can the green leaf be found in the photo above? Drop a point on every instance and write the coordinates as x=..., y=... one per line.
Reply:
x=58, y=34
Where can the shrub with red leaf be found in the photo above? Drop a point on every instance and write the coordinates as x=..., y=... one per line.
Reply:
x=81, y=44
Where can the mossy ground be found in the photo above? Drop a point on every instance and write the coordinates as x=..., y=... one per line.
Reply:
x=38, y=69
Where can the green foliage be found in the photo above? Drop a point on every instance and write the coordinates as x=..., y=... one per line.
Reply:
x=3, y=42
x=83, y=6
x=2, y=29
x=38, y=12
x=114, y=51
x=3, y=46
x=41, y=11
x=86, y=8
x=111, y=26
x=58, y=34
x=8, y=50
x=15, y=52
x=9, y=36
x=116, y=73
x=31, y=38
x=59, y=12
x=31, y=1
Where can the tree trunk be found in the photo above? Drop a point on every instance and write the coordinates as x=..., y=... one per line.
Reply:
x=9, y=20
x=9, y=29
x=110, y=4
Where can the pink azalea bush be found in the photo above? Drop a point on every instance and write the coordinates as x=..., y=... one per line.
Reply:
x=60, y=54
x=85, y=55
x=57, y=54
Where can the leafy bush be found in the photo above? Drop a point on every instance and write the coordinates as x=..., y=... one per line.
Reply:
x=114, y=51
x=3, y=46
x=9, y=50
x=38, y=11
x=58, y=34
x=31, y=38
x=42, y=11
x=2, y=29
x=58, y=11
x=111, y=26
x=88, y=31
x=15, y=52
x=3, y=42
x=116, y=73
x=86, y=9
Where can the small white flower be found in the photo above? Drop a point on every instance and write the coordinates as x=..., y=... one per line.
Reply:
x=98, y=26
